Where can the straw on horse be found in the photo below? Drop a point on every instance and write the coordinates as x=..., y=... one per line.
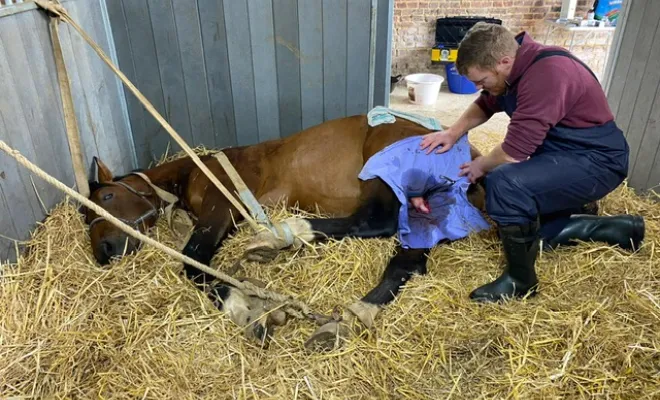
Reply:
x=69, y=328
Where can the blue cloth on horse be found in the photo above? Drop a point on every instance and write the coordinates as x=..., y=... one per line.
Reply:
x=410, y=172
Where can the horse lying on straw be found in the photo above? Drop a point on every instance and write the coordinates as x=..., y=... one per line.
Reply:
x=359, y=174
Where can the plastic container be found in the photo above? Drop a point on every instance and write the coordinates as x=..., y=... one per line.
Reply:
x=458, y=83
x=449, y=31
x=608, y=10
x=423, y=89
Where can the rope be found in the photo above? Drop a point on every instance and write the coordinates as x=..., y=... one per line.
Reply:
x=249, y=288
x=72, y=132
x=61, y=12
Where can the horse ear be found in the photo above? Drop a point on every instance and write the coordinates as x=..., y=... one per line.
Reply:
x=102, y=171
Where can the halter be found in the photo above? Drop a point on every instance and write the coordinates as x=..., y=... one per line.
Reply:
x=142, y=195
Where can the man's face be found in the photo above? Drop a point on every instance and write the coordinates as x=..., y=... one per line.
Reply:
x=492, y=80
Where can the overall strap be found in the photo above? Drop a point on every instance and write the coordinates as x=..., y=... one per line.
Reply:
x=549, y=53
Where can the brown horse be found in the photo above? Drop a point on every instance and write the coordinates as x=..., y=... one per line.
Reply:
x=317, y=167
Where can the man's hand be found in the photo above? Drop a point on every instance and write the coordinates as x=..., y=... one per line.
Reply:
x=445, y=139
x=482, y=165
x=474, y=169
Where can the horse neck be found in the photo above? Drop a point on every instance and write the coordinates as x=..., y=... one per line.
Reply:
x=247, y=160
x=171, y=176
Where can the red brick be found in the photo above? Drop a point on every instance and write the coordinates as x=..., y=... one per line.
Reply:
x=411, y=47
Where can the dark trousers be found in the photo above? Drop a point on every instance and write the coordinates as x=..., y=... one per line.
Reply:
x=554, y=183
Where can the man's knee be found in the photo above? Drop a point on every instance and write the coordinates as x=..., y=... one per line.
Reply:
x=501, y=182
x=507, y=200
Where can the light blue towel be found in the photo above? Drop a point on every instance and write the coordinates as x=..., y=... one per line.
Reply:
x=410, y=172
x=381, y=115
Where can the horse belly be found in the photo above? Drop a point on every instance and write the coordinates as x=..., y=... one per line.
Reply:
x=320, y=168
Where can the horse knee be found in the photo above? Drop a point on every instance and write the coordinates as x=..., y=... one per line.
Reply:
x=380, y=213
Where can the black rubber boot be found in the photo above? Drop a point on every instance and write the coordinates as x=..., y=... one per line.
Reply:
x=521, y=246
x=626, y=231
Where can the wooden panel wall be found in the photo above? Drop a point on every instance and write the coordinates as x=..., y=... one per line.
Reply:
x=238, y=72
x=31, y=117
x=634, y=90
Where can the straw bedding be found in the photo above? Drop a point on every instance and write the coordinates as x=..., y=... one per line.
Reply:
x=70, y=329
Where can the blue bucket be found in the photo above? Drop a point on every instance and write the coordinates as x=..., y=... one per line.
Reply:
x=458, y=83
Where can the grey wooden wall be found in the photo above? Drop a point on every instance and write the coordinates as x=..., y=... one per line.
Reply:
x=31, y=117
x=634, y=89
x=238, y=72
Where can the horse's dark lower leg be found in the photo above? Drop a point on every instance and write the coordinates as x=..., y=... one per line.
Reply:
x=405, y=264
x=376, y=217
x=213, y=226
x=201, y=247
x=362, y=313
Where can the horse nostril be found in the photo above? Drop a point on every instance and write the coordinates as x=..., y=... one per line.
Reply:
x=107, y=248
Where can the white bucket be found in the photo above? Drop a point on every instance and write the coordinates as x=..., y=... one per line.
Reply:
x=423, y=89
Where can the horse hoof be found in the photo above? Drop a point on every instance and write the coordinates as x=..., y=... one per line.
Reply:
x=261, y=254
x=327, y=337
x=277, y=317
x=259, y=332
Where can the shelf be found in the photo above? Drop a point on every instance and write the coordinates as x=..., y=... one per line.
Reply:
x=568, y=28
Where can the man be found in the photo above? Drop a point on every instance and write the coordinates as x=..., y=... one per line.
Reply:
x=562, y=150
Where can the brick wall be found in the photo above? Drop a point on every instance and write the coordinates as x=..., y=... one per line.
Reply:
x=414, y=29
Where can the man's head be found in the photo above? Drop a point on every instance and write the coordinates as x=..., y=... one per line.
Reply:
x=486, y=55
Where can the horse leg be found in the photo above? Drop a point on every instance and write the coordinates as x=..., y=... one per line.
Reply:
x=213, y=227
x=361, y=314
x=376, y=217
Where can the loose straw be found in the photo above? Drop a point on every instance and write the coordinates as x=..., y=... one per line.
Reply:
x=247, y=287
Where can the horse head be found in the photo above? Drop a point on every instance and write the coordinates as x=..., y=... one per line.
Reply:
x=128, y=198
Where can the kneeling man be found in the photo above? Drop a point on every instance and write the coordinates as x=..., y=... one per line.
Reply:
x=562, y=150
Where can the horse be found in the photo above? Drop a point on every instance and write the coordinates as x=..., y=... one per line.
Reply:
x=314, y=169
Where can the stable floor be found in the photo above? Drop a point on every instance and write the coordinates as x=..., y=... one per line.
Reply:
x=447, y=108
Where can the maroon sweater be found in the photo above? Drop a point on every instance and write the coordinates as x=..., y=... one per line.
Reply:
x=555, y=90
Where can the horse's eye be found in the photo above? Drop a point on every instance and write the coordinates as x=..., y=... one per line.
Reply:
x=108, y=197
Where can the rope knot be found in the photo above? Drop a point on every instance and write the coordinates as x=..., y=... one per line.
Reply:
x=51, y=6
x=279, y=235
x=282, y=232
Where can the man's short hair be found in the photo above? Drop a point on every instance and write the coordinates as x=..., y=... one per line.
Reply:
x=483, y=46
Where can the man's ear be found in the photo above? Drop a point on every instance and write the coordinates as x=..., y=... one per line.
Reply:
x=102, y=172
x=506, y=62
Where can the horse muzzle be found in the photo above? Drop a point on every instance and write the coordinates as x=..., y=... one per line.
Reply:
x=112, y=247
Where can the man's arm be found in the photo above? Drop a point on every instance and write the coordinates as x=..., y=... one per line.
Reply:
x=472, y=117
x=496, y=157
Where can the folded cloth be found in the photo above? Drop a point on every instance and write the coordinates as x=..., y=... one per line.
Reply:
x=382, y=115
x=410, y=172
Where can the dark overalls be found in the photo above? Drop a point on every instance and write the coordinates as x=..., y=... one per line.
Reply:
x=572, y=167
